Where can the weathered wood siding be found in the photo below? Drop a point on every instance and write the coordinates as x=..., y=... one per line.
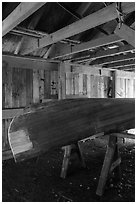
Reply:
x=86, y=82
x=22, y=87
x=125, y=84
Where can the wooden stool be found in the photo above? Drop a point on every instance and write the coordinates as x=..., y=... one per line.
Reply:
x=67, y=156
x=112, y=161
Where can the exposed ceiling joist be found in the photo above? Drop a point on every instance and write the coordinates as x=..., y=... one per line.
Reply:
x=20, y=13
x=93, y=20
x=127, y=67
x=126, y=33
x=109, y=52
x=80, y=11
x=63, y=51
x=17, y=61
x=112, y=59
x=33, y=23
x=119, y=64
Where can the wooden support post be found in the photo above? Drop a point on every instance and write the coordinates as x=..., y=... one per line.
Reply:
x=67, y=152
x=67, y=156
x=113, y=75
x=108, y=165
x=116, y=164
x=62, y=81
x=79, y=152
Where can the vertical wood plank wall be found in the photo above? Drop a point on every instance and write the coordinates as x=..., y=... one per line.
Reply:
x=85, y=81
x=22, y=87
x=125, y=84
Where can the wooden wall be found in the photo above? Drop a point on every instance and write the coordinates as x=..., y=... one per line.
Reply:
x=84, y=81
x=22, y=87
x=125, y=84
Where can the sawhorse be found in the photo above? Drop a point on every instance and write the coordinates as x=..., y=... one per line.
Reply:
x=67, y=156
x=111, y=162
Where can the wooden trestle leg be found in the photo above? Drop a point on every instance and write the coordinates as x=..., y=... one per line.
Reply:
x=67, y=157
x=111, y=162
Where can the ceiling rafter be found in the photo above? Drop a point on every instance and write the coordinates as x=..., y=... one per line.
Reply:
x=93, y=20
x=33, y=23
x=112, y=59
x=80, y=11
x=107, y=53
x=119, y=64
x=20, y=13
x=63, y=51
x=29, y=62
x=127, y=33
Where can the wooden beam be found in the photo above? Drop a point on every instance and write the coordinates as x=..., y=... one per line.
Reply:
x=11, y=113
x=120, y=64
x=92, y=70
x=93, y=20
x=81, y=10
x=29, y=62
x=112, y=59
x=20, y=13
x=126, y=33
x=108, y=52
x=124, y=135
x=124, y=75
x=33, y=23
x=127, y=68
x=64, y=51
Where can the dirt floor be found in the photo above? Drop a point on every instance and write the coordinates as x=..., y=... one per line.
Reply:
x=39, y=179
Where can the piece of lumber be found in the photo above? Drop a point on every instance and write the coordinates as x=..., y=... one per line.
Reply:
x=125, y=75
x=106, y=165
x=60, y=123
x=19, y=14
x=32, y=25
x=107, y=53
x=113, y=59
x=11, y=113
x=126, y=33
x=62, y=50
x=115, y=164
x=123, y=63
x=23, y=62
x=68, y=153
x=124, y=135
x=126, y=68
x=93, y=20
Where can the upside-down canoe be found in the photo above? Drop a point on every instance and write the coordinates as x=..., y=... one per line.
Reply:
x=63, y=122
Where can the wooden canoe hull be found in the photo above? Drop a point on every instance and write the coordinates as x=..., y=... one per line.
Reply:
x=55, y=124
